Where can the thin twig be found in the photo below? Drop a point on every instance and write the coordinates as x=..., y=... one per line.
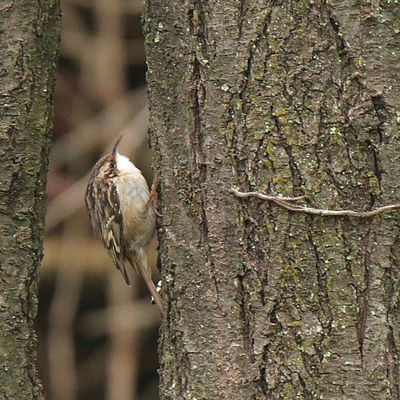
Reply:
x=264, y=196
x=285, y=203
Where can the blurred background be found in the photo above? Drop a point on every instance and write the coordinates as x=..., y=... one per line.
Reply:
x=97, y=337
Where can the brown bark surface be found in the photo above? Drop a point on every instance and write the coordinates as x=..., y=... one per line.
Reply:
x=293, y=98
x=29, y=34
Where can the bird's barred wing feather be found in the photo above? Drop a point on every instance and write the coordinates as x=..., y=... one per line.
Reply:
x=106, y=217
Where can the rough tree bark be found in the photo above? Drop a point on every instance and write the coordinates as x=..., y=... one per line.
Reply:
x=29, y=36
x=290, y=97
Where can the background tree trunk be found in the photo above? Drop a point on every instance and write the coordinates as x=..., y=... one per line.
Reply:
x=29, y=37
x=290, y=97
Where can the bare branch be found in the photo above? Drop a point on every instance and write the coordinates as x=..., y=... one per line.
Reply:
x=265, y=196
x=285, y=203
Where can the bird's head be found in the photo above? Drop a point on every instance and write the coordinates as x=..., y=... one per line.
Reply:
x=114, y=164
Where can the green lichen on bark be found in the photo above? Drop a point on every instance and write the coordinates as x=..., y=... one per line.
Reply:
x=29, y=37
x=281, y=97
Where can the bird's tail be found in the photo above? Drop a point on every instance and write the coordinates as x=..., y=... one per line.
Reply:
x=140, y=264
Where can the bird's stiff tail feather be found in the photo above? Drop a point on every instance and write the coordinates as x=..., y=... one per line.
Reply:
x=140, y=264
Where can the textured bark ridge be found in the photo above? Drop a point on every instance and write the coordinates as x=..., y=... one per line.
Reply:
x=292, y=98
x=29, y=32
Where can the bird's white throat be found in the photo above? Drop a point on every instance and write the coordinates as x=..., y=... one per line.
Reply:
x=125, y=166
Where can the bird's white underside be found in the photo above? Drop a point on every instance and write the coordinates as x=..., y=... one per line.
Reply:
x=139, y=218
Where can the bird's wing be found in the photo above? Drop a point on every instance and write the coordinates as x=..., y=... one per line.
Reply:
x=106, y=219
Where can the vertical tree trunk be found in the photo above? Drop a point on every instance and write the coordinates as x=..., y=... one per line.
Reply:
x=29, y=38
x=292, y=98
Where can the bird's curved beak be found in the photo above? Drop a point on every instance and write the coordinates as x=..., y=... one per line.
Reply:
x=115, y=148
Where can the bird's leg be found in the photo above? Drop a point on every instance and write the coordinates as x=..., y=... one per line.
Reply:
x=153, y=192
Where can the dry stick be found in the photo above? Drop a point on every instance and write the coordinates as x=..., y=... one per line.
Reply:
x=285, y=203
x=264, y=196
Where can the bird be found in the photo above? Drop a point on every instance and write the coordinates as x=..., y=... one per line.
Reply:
x=123, y=213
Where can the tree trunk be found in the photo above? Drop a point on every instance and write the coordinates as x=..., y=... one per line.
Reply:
x=29, y=38
x=291, y=98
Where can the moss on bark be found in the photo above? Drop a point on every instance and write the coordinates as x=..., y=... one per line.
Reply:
x=295, y=98
x=29, y=37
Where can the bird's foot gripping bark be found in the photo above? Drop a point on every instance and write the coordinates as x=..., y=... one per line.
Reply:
x=154, y=194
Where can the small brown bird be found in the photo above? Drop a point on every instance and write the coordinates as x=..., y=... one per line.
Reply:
x=122, y=212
